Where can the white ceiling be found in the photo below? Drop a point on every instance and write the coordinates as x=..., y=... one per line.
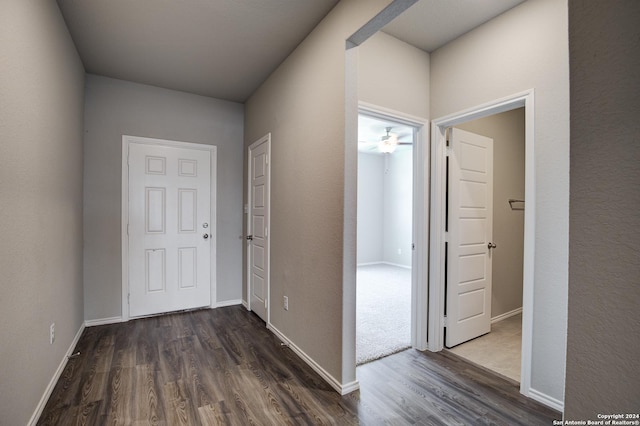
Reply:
x=226, y=48
x=430, y=24
x=219, y=48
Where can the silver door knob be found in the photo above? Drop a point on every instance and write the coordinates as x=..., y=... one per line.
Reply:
x=249, y=237
x=491, y=246
x=205, y=236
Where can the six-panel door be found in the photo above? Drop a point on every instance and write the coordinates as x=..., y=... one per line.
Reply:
x=169, y=229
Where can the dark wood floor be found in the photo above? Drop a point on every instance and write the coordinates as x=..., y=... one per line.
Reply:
x=223, y=367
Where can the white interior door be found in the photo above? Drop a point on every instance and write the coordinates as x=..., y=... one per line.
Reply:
x=468, y=298
x=170, y=229
x=258, y=238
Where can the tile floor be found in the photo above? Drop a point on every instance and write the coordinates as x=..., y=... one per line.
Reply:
x=498, y=350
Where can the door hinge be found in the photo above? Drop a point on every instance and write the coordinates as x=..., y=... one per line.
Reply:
x=128, y=298
x=266, y=232
x=413, y=246
x=266, y=159
x=127, y=229
x=265, y=303
x=445, y=323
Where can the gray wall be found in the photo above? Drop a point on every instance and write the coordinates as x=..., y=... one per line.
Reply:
x=521, y=49
x=41, y=92
x=507, y=132
x=403, y=87
x=384, y=207
x=603, y=371
x=398, y=202
x=114, y=108
x=370, y=207
x=393, y=74
x=302, y=104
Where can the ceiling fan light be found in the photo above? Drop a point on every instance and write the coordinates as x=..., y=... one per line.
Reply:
x=387, y=146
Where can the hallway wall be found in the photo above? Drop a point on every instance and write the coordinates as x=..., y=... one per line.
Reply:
x=41, y=100
x=604, y=292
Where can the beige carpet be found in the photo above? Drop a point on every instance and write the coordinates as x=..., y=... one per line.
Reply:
x=383, y=311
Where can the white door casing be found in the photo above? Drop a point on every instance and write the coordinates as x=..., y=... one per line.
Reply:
x=171, y=226
x=420, y=216
x=469, y=236
x=436, y=300
x=258, y=227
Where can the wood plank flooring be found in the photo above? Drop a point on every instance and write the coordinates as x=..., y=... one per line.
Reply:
x=223, y=367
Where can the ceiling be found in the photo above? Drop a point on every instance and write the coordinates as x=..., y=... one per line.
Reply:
x=226, y=48
x=430, y=24
x=219, y=48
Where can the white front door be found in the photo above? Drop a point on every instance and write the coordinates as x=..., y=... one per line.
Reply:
x=258, y=238
x=170, y=229
x=469, y=237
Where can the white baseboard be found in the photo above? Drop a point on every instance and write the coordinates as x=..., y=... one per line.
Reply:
x=350, y=387
x=382, y=262
x=102, y=321
x=54, y=380
x=225, y=303
x=547, y=400
x=368, y=263
x=114, y=320
x=335, y=384
x=245, y=304
x=506, y=315
x=397, y=265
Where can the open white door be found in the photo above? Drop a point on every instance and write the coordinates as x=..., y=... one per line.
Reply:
x=170, y=229
x=468, y=298
x=258, y=223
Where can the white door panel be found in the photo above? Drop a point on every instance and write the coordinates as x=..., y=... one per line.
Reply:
x=470, y=232
x=258, y=222
x=169, y=215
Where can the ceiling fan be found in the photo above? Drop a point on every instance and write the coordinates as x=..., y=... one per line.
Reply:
x=388, y=143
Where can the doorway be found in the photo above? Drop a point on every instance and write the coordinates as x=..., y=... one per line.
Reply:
x=258, y=238
x=385, y=206
x=498, y=350
x=439, y=216
x=390, y=234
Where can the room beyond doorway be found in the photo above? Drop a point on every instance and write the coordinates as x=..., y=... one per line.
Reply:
x=385, y=237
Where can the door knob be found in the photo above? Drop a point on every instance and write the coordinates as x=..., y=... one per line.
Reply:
x=249, y=237
x=491, y=246
x=205, y=236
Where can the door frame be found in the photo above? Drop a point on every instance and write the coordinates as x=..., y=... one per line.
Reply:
x=420, y=212
x=438, y=236
x=126, y=141
x=265, y=139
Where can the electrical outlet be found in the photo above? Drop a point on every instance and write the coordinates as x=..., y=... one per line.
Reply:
x=399, y=251
x=52, y=333
x=286, y=303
